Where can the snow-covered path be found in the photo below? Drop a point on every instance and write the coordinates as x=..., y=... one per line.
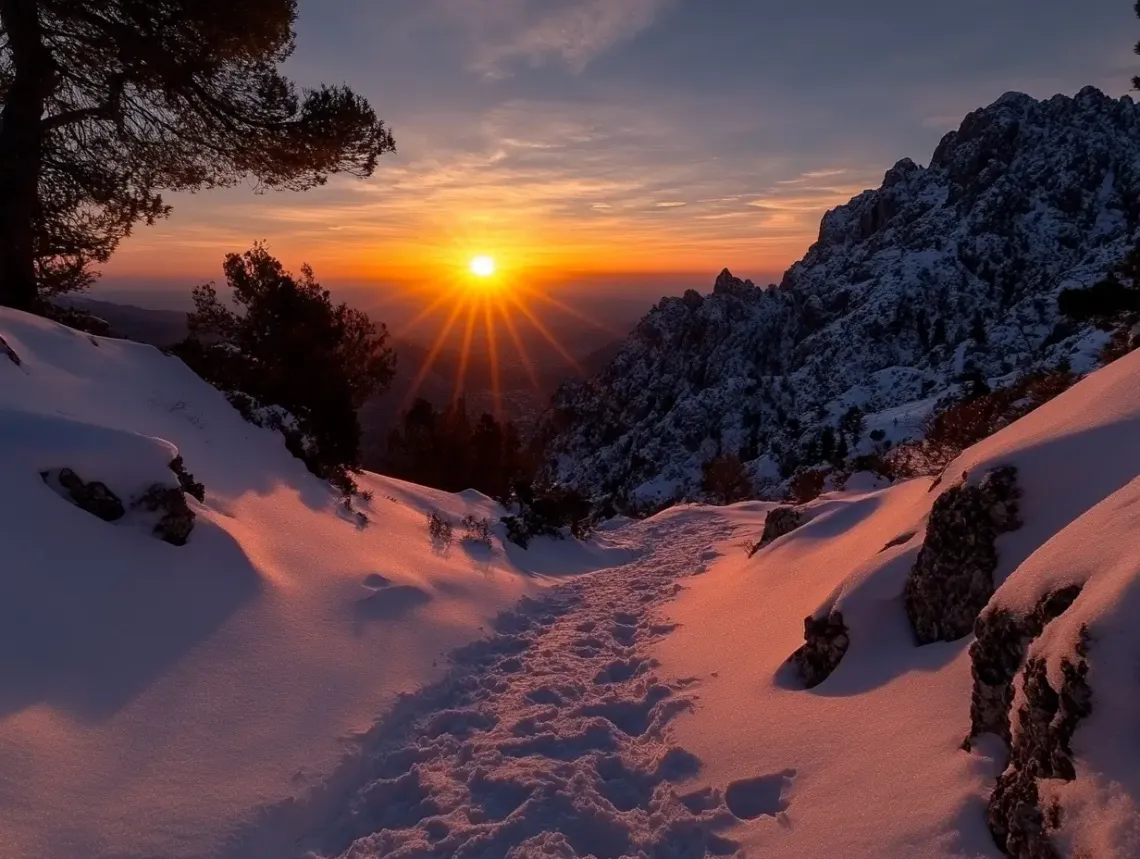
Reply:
x=547, y=738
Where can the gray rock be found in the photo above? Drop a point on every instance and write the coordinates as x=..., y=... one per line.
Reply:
x=952, y=579
x=997, y=653
x=780, y=521
x=93, y=497
x=1025, y=198
x=826, y=639
x=1046, y=723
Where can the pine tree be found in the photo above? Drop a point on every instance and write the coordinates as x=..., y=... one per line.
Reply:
x=278, y=340
x=978, y=329
x=107, y=103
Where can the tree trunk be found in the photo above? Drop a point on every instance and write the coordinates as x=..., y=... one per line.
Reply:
x=21, y=150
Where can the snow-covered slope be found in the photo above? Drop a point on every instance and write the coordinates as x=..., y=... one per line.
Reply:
x=152, y=697
x=238, y=697
x=652, y=710
x=944, y=267
x=871, y=762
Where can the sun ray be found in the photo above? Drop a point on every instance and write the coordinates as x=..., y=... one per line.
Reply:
x=465, y=353
x=436, y=348
x=528, y=365
x=545, y=332
x=493, y=354
x=429, y=310
x=577, y=314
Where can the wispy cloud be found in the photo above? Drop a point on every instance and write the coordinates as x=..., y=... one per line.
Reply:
x=515, y=135
x=812, y=175
x=571, y=33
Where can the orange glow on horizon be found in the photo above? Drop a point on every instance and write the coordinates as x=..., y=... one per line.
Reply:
x=479, y=294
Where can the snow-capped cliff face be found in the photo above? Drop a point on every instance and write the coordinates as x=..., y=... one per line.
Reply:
x=944, y=269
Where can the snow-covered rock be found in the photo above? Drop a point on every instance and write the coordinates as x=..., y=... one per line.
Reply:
x=158, y=700
x=952, y=579
x=778, y=522
x=1048, y=692
x=945, y=268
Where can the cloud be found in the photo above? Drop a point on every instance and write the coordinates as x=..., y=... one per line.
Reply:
x=671, y=204
x=570, y=33
x=812, y=175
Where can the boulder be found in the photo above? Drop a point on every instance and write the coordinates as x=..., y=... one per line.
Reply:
x=1002, y=639
x=780, y=521
x=93, y=497
x=825, y=641
x=1045, y=723
x=952, y=579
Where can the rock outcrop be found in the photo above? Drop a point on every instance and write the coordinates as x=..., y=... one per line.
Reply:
x=5, y=349
x=176, y=519
x=778, y=522
x=94, y=497
x=952, y=579
x=826, y=640
x=956, y=264
x=997, y=654
x=1045, y=722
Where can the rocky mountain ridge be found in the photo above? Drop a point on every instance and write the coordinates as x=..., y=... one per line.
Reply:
x=945, y=270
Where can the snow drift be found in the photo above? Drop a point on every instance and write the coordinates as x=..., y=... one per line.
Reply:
x=1046, y=696
x=154, y=698
x=709, y=682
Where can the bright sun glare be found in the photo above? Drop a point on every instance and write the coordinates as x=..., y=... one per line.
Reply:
x=499, y=302
x=482, y=266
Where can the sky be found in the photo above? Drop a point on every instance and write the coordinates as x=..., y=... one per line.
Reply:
x=632, y=144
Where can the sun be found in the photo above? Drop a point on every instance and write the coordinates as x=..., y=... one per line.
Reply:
x=483, y=266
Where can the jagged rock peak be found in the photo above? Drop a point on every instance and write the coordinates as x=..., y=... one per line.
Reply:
x=725, y=282
x=942, y=269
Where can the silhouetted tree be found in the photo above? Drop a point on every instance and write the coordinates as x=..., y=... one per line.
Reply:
x=106, y=102
x=852, y=424
x=288, y=346
x=1136, y=80
x=726, y=480
x=1109, y=300
x=444, y=450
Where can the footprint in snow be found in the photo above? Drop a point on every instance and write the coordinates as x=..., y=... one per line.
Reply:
x=763, y=796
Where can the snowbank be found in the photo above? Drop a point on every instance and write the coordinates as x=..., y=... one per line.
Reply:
x=871, y=761
x=153, y=698
x=244, y=695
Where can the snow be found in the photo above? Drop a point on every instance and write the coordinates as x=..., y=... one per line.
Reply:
x=875, y=750
x=290, y=684
x=945, y=269
x=153, y=699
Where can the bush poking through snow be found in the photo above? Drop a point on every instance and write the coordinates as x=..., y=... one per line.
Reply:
x=997, y=654
x=1045, y=722
x=440, y=531
x=544, y=513
x=964, y=423
x=807, y=484
x=952, y=579
x=186, y=480
x=725, y=479
x=826, y=639
x=477, y=530
x=177, y=520
x=94, y=497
